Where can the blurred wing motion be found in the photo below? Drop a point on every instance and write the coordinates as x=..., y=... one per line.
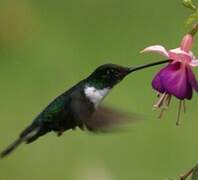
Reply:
x=103, y=120
x=106, y=119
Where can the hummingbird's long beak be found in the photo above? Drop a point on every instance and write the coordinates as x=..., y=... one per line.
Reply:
x=132, y=69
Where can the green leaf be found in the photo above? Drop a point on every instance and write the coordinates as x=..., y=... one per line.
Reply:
x=195, y=173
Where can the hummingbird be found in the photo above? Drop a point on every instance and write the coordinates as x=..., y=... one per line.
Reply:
x=79, y=106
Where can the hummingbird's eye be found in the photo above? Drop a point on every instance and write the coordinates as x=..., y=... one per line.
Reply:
x=109, y=72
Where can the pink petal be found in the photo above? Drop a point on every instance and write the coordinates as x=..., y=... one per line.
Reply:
x=187, y=42
x=194, y=63
x=192, y=55
x=180, y=55
x=156, y=49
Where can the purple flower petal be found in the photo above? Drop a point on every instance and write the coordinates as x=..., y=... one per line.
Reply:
x=189, y=91
x=173, y=79
x=157, y=84
x=191, y=78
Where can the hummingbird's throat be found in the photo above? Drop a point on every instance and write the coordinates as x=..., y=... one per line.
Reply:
x=95, y=95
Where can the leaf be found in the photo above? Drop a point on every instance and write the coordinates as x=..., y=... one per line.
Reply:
x=195, y=173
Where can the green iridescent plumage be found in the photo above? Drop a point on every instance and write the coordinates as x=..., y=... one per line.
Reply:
x=76, y=108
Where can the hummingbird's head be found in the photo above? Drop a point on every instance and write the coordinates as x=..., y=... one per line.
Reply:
x=108, y=75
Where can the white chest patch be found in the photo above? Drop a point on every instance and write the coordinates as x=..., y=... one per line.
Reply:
x=95, y=95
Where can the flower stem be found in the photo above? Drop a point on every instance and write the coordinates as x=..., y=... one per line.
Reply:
x=194, y=29
x=183, y=177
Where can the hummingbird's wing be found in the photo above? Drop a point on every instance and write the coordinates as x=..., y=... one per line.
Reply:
x=104, y=119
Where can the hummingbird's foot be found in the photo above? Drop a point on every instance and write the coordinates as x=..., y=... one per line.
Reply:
x=82, y=127
x=60, y=132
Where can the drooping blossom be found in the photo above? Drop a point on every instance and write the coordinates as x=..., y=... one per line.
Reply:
x=177, y=78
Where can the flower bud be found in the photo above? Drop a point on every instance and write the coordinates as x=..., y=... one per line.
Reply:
x=187, y=42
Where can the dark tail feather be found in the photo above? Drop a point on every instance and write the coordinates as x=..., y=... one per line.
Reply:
x=11, y=148
x=27, y=135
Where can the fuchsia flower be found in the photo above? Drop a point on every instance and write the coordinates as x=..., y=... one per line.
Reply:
x=177, y=78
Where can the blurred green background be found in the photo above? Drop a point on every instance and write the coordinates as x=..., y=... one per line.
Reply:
x=47, y=46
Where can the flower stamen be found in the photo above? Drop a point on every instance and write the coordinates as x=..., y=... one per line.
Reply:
x=179, y=113
x=184, y=106
x=161, y=113
x=160, y=102
x=168, y=101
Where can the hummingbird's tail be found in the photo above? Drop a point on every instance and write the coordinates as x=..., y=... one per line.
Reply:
x=11, y=147
x=30, y=134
